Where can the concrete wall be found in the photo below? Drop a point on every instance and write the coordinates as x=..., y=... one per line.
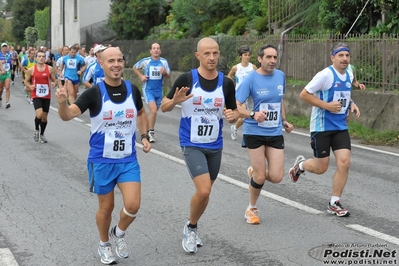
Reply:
x=72, y=24
x=93, y=11
x=379, y=111
x=99, y=32
x=92, y=15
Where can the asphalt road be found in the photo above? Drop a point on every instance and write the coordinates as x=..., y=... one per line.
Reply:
x=47, y=213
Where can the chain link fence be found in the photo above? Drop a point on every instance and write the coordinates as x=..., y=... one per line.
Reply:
x=376, y=58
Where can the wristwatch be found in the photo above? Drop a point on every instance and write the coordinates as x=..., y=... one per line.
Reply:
x=145, y=136
x=252, y=114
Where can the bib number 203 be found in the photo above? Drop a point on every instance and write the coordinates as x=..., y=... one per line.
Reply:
x=119, y=145
x=205, y=130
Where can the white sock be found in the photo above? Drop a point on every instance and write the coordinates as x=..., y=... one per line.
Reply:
x=251, y=206
x=300, y=166
x=103, y=244
x=119, y=232
x=334, y=199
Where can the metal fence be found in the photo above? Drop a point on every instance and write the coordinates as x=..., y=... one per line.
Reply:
x=376, y=58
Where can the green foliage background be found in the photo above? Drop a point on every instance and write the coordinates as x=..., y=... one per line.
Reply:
x=23, y=16
x=42, y=22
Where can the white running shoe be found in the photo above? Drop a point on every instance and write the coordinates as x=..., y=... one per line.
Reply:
x=234, y=132
x=121, y=249
x=107, y=257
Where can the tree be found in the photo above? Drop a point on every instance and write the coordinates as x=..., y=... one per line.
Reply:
x=8, y=6
x=338, y=16
x=5, y=32
x=133, y=19
x=190, y=15
x=23, y=11
x=31, y=35
x=42, y=22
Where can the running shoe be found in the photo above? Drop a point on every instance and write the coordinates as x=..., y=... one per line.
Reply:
x=189, y=242
x=12, y=83
x=36, y=135
x=295, y=172
x=8, y=105
x=151, y=135
x=337, y=209
x=198, y=240
x=107, y=257
x=43, y=139
x=121, y=247
x=234, y=132
x=251, y=216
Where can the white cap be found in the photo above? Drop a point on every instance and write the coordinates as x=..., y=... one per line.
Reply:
x=99, y=48
x=3, y=44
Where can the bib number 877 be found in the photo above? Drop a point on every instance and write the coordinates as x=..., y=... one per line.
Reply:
x=119, y=145
x=204, y=130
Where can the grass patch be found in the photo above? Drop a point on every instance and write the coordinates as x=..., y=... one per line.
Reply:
x=299, y=121
x=366, y=135
x=297, y=82
x=373, y=137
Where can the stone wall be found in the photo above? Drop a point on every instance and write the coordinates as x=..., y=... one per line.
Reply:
x=377, y=110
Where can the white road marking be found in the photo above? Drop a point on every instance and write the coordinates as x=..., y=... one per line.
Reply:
x=289, y=202
x=243, y=185
x=293, y=132
x=272, y=196
x=285, y=201
x=6, y=257
x=357, y=146
x=374, y=233
x=76, y=119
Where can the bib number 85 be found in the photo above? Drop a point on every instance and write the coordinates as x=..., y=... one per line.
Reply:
x=119, y=145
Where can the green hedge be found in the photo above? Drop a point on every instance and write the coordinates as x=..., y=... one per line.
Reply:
x=42, y=22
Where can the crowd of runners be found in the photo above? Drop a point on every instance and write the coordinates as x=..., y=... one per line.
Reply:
x=207, y=97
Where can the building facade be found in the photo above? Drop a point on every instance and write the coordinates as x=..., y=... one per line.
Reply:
x=73, y=20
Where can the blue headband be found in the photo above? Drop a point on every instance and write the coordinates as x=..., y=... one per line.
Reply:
x=340, y=50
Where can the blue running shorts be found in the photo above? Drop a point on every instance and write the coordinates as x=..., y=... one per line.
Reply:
x=103, y=177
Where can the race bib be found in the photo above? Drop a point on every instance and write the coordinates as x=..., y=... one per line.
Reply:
x=155, y=72
x=117, y=143
x=42, y=90
x=71, y=63
x=204, y=128
x=272, y=111
x=6, y=66
x=344, y=98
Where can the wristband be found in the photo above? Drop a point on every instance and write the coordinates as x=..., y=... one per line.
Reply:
x=145, y=136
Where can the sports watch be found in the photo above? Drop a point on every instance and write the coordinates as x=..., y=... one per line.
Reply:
x=252, y=114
